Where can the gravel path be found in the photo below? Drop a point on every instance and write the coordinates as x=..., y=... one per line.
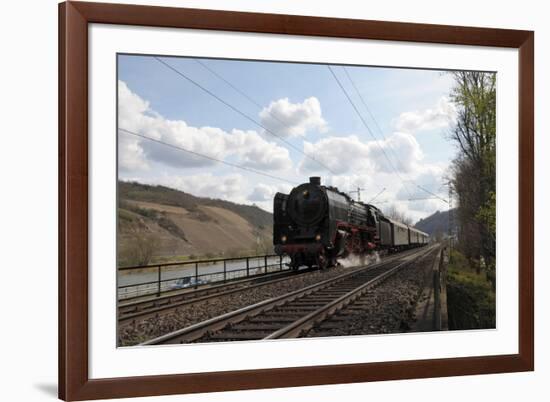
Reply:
x=137, y=332
x=389, y=307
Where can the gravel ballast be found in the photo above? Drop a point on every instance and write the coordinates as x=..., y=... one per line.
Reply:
x=388, y=308
x=140, y=331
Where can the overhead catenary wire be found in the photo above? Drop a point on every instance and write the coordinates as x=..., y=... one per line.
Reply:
x=269, y=131
x=423, y=199
x=234, y=87
x=433, y=194
x=367, y=127
x=257, y=104
x=177, y=147
x=407, y=200
x=375, y=122
x=243, y=114
x=383, y=136
x=376, y=196
x=254, y=102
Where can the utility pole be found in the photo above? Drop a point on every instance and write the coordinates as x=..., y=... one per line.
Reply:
x=450, y=231
x=358, y=191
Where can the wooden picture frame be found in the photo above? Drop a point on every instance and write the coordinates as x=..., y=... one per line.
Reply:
x=74, y=381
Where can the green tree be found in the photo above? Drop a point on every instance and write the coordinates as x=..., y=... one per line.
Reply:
x=474, y=169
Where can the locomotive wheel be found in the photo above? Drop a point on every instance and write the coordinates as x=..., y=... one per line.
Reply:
x=322, y=261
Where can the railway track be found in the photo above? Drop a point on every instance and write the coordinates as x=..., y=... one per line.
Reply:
x=292, y=314
x=151, y=306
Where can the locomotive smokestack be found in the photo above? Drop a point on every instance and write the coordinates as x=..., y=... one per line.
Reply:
x=315, y=180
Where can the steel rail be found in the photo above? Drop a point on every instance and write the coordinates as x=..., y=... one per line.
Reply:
x=193, y=332
x=295, y=329
x=199, y=330
x=151, y=307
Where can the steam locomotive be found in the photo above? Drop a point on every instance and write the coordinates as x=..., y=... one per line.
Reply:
x=316, y=225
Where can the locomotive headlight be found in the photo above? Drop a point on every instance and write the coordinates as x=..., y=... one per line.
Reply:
x=283, y=238
x=318, y=237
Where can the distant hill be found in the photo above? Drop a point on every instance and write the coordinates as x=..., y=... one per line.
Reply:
x=435, y=223
x=158, y=223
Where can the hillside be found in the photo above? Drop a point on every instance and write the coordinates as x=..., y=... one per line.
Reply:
x=157, y=223
x=437, y=223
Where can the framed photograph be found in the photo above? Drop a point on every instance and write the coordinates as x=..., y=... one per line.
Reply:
x=263, y=200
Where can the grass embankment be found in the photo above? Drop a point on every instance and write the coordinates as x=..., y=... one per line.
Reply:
x=470, y=296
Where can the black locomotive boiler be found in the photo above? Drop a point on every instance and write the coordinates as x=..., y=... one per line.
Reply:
x=316, y=225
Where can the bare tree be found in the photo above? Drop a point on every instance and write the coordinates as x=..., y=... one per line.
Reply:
x=140, y=248
x=393, y=213
x=263, y=243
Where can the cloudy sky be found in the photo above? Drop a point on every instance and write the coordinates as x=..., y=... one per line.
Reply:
x=243, y=130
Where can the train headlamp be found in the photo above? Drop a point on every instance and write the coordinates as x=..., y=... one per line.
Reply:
x=283, y=238
x=318, y=237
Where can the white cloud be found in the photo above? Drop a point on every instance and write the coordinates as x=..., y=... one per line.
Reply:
x=256, y=152
x=262, y=192
x=350, y=154
x=293, y=119
x=441, y=116
x=401, y=148
x=430, y=177
x=265, y=192
x=248, y=147
x=362, y=164
x=131, y=156
x=340, y=154
x=356, y=162
x=427, y=176
x=227, y=187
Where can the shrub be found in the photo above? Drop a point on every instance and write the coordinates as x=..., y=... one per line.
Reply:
x=139, y=249
x=470, y=296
